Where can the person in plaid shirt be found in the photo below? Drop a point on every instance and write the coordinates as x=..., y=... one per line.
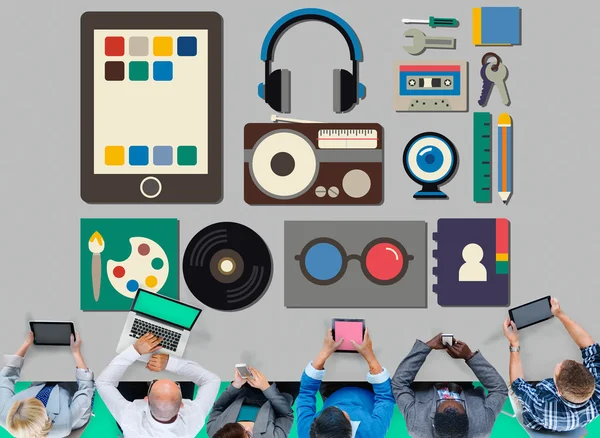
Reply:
x=571, y=399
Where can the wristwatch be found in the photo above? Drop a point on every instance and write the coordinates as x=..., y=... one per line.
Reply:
x=514, y=349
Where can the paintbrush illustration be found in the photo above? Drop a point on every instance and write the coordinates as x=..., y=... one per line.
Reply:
x=96, y=246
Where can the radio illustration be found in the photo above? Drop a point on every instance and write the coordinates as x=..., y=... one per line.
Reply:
x=313, y=163
x=430, y=86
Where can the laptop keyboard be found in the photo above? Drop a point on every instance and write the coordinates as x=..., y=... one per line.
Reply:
x=170, y=338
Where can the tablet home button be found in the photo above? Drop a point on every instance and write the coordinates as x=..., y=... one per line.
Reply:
x=150, y=187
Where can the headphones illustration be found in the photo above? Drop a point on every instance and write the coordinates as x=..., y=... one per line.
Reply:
x=276, y=89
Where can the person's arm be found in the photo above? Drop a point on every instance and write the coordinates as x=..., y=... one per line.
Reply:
x=383, y=409
x=405, y=375
x=306, y=402
x=491, y=379
x=9, y=375
x=214, y=422
x=515, y=367
x=109, y=379
x=208, y=384
x=578, y=334
x=81, y=403
x=284, y=415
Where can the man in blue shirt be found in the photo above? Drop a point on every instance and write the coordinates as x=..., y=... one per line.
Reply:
x=349, y=412
x=571, y=399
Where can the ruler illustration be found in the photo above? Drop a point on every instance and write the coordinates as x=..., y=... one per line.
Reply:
x=482, y=157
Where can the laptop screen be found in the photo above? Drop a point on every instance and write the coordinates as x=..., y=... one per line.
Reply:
x=166, y=309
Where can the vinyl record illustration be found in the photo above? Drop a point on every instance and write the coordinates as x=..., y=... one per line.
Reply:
x=227, y=266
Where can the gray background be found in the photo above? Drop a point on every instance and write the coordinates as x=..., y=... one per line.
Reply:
x=552, y=213
x=354, y=290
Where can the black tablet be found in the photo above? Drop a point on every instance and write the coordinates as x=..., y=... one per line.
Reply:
x=151, y=107
x=52, y=332
x=531, y=313
x=349, y=329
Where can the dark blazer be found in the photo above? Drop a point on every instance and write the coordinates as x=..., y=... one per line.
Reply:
x=274, y=420
x=418, y=407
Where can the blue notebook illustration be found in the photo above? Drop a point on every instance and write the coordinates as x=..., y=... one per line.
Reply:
x=497, y=26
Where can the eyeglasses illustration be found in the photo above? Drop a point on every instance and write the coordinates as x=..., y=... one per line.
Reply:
x=383, y=261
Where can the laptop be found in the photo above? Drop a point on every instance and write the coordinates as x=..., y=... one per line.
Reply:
x=164, y=317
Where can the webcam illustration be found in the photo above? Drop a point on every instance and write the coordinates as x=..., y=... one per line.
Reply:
x=430, y=159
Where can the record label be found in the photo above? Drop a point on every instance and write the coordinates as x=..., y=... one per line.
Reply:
x=227, y=266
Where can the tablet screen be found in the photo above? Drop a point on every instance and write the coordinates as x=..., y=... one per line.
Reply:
x=52, y=333
x=531, y=313
x=150, y=101
x=349, y=330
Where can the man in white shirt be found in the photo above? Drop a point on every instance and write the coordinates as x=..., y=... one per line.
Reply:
x=163, y=412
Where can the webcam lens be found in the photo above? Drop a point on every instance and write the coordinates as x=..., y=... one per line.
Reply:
x=384, y=261
x=430, y=159
x=323, y=261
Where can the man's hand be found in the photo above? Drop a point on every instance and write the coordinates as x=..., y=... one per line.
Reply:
x=258, y=380
x=436, y=343
x=158, y=362
x=147, y=344
x=76, y=344
x=366, y=348
x=555, y=309
x=510, y=331
x=28, y=340
x=22, y=351
x=329, y=346
x=460, y=350
x=238, y=380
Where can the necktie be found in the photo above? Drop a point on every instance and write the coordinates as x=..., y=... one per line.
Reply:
x=44, y=394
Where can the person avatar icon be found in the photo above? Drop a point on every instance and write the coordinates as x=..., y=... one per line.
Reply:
x=472, y=269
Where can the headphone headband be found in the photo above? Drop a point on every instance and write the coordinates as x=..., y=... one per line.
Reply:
x=268, y=47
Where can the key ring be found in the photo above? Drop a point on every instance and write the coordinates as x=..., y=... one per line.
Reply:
x=491, y=55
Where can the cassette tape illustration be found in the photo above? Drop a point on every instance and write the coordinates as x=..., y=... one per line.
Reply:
x=313, y=163
x=430, y=86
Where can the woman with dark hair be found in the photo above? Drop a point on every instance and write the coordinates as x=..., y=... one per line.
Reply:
x=251, y=408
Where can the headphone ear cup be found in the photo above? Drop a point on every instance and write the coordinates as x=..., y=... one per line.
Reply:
x=344, y=91
x=278, y=90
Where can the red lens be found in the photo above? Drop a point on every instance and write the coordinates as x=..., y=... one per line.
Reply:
x=384, y=261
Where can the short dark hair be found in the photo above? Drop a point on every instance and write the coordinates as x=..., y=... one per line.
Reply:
x=450, y=424
x=331, y=423
x=231, y=430
x=575, y=382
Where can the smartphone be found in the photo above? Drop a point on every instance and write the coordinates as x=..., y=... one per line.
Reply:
x=447, y=339
x=243, y=370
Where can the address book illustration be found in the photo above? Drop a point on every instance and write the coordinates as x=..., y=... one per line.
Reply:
x=472, y=262
x=151, y=107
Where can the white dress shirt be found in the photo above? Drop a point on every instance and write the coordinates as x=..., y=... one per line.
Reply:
x=135, y=418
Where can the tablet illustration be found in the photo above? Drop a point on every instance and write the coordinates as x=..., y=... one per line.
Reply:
x=151, y=107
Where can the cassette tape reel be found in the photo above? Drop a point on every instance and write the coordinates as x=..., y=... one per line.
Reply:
x=430, y=86
x=313, y=164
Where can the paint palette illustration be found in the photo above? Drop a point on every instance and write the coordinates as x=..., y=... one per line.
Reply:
x=472, y=262
x=349, y=264
x=120, y=256
x=147, y=267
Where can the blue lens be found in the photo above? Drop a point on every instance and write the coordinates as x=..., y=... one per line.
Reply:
x=323, y=261
x=430, y=159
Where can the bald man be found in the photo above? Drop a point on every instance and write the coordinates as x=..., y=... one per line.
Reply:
x=164, y=412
